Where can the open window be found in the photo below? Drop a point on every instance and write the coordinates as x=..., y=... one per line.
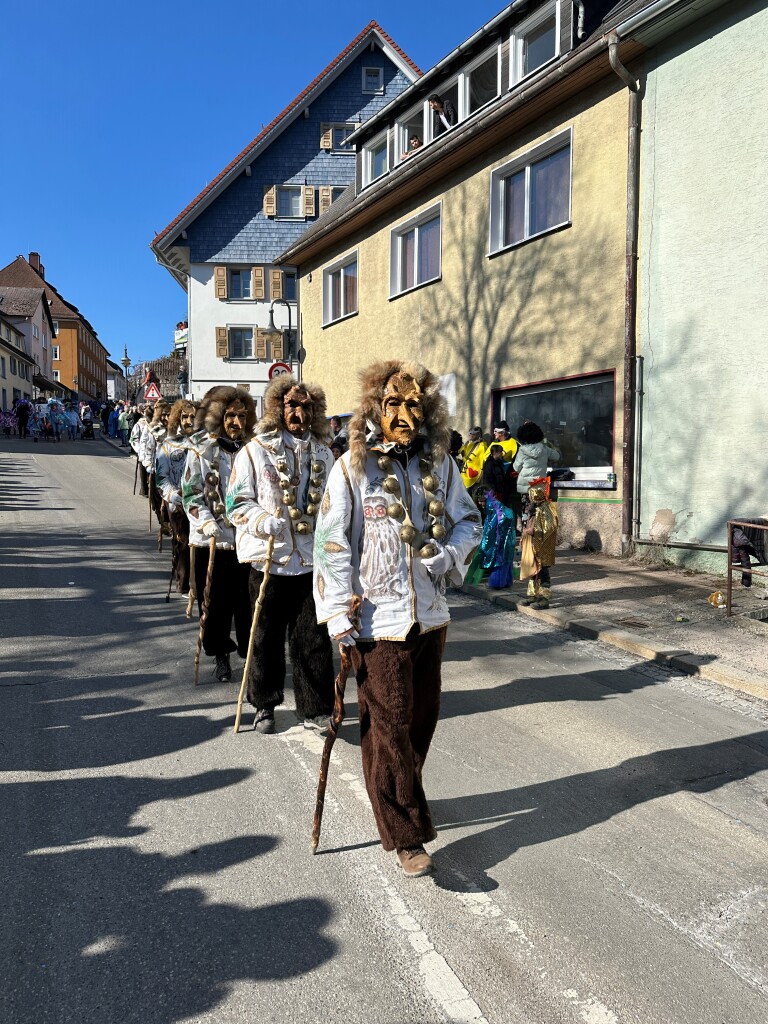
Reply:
x=441, y=122
x=481, y=82
x=410, y=135
x=375, y=158
x=535, y=41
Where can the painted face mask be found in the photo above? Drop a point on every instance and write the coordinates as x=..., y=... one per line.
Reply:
x=297, y=412
x=234, y=421
x=402, y=409
x=187, y=421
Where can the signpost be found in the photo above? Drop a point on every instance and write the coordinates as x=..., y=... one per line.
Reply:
x=152, y=394
x=278, y=370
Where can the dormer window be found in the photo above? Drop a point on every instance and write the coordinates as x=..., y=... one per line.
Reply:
x=535, y=42
x=375, y=159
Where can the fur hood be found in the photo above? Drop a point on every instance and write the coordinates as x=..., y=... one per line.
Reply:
x=273, y=406
x=174, y=416
x=210, y=412
x=373, y=381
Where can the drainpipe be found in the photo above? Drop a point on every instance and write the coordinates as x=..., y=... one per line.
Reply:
x=630, y=293
x=580, y=23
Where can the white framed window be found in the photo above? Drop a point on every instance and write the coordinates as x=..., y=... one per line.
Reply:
x=241, y=343
x=45, y=339
x=289, y=202
x=339, y=135
x=439, y=122
x=55, y=328
x=14, y=365
x=240, y=283
x=480, y=82
x=534, y=42
x=410, y=134
x=415, y=252
x=289, y=285
x=340, y=289
x=35, y=331
x=56, y=375
x=376, y=158
x=54, y=352
x=373, y=81
x=531, y=194
x=2, y=367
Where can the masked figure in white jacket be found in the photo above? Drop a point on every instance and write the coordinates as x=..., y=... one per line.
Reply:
x=275, y=490
x=137, y=441
x=396, y=526
x=152, y=439
x=169, y=468
x=227, y=417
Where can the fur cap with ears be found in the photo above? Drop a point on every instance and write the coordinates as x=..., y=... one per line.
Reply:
x=174, y=416
x=273, y=406
x=373, y=381
x=210, y=411
x=161, y=409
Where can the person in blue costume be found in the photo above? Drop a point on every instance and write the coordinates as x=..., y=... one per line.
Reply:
x=496, y=552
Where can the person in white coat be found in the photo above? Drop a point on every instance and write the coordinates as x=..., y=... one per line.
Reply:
x=169, y=468
x=396, y=527
x=275, y=489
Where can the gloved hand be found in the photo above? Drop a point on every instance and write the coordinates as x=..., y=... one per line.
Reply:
x=211, y=528
x=272, y=526
x=440, y=563
x=342, y=630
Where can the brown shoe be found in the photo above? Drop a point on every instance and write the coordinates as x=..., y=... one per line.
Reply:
x=415, y=862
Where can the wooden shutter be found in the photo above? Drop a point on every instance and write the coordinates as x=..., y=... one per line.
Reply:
x=222, y=343
x=325, y=198
x=220, y=282
x=260, y=344
x=326, y=136
x=270, y=200
x=308, y=195
x=257, y=283
x=277, y=346
x=275, y=284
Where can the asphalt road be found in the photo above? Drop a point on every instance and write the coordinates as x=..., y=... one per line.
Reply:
x=602, y=852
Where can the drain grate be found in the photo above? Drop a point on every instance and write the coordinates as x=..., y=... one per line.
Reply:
x=632, y=623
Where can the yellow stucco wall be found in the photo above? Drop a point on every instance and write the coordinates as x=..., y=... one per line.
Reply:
x=553, y=307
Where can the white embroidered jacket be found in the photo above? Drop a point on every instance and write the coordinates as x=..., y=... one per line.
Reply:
x=206, y=456
x=151, y=440
x=169, y=467
x=358, y=549
x=137, y=432
x=254, y=493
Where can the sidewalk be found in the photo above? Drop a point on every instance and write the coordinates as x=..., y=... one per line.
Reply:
x=113, y=441
x=635, y=606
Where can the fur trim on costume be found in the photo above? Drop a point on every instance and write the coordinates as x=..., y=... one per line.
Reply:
x=273, y=406
x=373, y=381
x=174, y=416
x=210, y=412
x=161, y=409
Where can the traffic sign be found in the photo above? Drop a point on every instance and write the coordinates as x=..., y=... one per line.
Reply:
x=152, y=394
x=278, y=370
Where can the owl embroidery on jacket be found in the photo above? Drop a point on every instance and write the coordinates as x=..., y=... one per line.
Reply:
x=380, y=559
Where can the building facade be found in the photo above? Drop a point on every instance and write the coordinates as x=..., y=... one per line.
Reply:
x=242, y=313
x=29, y=310
x=17, y=367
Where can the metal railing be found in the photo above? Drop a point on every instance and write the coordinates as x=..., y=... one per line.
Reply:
x=738, y=568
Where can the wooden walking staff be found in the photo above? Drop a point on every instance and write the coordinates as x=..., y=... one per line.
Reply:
x=206, y=603
x=254, y=624
x=192, y=584
x=334, y=724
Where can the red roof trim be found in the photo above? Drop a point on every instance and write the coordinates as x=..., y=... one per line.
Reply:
x=373, y=26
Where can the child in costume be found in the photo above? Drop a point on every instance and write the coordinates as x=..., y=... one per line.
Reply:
x=539, y=539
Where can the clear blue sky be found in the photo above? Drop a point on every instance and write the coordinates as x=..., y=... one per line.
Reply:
x=114, y=116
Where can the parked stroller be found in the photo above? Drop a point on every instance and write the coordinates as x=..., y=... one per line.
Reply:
x=87, y=430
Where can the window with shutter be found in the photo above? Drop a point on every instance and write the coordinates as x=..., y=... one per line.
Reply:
x=308, y=194
x=275, y=284
x=325, y=198
x=220, y=282
x=326, y=136
x=277, y=346
x=270, y=200
x=222, y=343
x=260, y=344
x=257, y=283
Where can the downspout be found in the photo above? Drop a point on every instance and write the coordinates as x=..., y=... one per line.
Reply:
x=630, y=293
x=580, y=23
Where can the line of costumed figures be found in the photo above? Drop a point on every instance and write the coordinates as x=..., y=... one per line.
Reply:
x=277, y=540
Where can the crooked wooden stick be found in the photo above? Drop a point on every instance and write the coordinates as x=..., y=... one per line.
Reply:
x=254, y=624
x=206, y=605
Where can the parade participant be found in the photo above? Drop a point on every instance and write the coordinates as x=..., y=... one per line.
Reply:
x=539, y=539
x=396, y=526
x=224, y=422
x=137, y=441
x=275, y=490
x=471, y=458
x=169, y=467
x=152, y=438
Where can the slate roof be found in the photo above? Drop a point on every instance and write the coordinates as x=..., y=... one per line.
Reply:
x=372, y=27
x=20, y=301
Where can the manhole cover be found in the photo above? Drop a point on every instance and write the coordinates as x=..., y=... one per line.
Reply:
x=632, y=623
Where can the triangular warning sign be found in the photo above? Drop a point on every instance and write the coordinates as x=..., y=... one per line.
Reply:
x=152, y=394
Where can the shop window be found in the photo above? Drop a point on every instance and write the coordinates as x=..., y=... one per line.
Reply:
x=415, y=252
x=534, y=42
x=340, y=290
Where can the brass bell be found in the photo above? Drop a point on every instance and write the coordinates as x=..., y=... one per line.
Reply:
x=436, y=508
x=428, y=551
x=408, y=533
x=438, y=531
x=282, y=466
x=315, y=496
x=318, y=467
x=314, y=482
x=384, y=462
x=425, y=463
x=391, y=485
x=289, y=498
x=311, y=510
x=430, y=482
x=211, y=479
x=395, y=510
x=220, y=509
x=295, y=513
x=303, y=528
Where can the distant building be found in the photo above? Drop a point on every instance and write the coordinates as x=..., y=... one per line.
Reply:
x=29, y=310
x=116, y=387
x=222, y=247
x=17, y=367
x=76, y=359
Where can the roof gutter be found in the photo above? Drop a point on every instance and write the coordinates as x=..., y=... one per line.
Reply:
x=433, y=71
x=650, y=13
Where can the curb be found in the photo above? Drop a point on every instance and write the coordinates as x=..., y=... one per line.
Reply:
x=115, y=444
x=606, y=632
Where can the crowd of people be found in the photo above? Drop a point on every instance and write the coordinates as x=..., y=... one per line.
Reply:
x=316, y=531
x=47, y=420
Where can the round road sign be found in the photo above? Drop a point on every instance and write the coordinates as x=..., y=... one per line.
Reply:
x=278, y=370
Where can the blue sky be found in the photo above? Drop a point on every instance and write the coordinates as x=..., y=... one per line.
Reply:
x=114, y=116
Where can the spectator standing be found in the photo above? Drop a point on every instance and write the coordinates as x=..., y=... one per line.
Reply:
x=124, y=427
x=533, y=457
x=497, y=476
x=22, y=418
x=443, y=114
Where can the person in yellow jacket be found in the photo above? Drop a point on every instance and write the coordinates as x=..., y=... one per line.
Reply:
x=471, y=458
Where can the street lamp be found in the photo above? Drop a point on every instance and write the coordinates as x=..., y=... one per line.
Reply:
x=126, y=361
x=271, y=330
